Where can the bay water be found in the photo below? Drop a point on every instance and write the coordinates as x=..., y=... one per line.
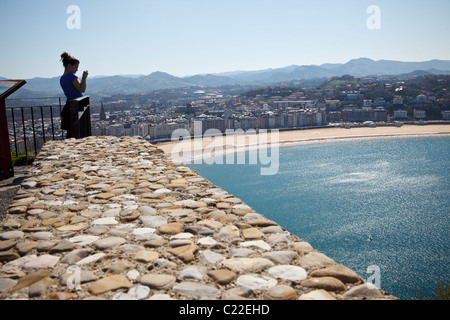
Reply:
x=336, y=195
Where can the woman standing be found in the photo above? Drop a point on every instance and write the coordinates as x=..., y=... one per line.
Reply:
x=71, y=86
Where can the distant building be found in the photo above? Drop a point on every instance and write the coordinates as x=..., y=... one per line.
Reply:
x=420, y=114
x=446, y=115
x=379, y=102
x=116, y=130
x=309, y=118
x=291, y=104
x=165, y=130
x=400, y=114
x=245, y=123
x=139, y=130
x=332, y=104
x=211, y=123
x=102, y=112
x=334, y=116
x=367, y=103
x=421, y=98
x=398, y=101
x=355, y=96
x=364, y=114
x=380, y=114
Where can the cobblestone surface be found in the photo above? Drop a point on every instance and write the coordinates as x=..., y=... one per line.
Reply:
x=115, y=218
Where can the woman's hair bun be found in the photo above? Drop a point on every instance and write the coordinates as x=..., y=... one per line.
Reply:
x=68, y=59
x=65, y=55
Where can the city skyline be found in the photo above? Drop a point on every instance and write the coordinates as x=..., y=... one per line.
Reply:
x=198, y=37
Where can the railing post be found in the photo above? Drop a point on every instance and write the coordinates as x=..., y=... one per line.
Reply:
x=43, y=125
x=24, y=134
x=79, y=118
x=6, y=167
x=34, y=131
x=53, y=125
x=7, y=87
x=14, y=130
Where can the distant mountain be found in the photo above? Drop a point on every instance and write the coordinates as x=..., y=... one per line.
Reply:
x=130, y=84
x=363, y=67
x=210, y=80
x=357, y=67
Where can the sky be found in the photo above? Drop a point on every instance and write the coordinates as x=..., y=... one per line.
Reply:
x=187, y=37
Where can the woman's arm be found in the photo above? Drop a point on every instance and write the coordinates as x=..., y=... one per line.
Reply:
x=81, y=86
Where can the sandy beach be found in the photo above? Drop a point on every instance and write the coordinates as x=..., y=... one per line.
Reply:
x=242, y=142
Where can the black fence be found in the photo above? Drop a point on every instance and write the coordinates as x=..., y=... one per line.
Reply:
x=31, y=124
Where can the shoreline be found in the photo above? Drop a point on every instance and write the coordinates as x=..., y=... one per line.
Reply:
x=293, y=137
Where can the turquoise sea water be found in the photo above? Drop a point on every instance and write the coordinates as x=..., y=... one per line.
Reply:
x=335, y=194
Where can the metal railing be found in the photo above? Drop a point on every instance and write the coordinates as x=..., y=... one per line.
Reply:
x=31, y=126
x=77, y=114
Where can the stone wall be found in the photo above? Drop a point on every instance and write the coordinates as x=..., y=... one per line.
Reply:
x=114, y=218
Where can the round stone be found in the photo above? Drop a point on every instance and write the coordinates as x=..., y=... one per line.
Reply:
x=228, y=232
x=252, y=234
x=339, y=272
x=6, y=284
x=105, y=221
x=91, y=259
x=281, y=292
x=196, y=289
x=153, y=221
x=83, y=240
x=144, y=234
x=207, y=241
x=135, y=293
x=281, y=257
x=211, y=257
x=11, y=235
x=181, y=236
x=171, y=228
x=147, y=210
x=158, y=281
x=222, y=276
x=319, y=294
x=18, y=210
x=63, y=245
x=112, y=213
x=255, y=244
x=247, y=264
x=302, y=247
x=256, y=282
x=41, y=235
x=193, y=272
x=325, y=283
x=364, y=291
x=45, y=261
x=146, y=256
x=110, y=283
x=315, y=259
x=201, y=230
x=8, y=256
x=288, y=272
x=109, y=242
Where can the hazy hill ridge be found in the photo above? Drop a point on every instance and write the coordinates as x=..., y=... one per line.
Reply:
x=129, y=84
